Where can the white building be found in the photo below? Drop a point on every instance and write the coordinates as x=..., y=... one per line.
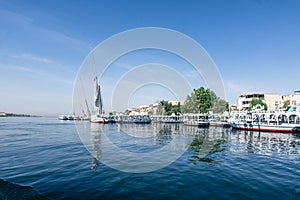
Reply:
x=273, y=101
x=245, y=100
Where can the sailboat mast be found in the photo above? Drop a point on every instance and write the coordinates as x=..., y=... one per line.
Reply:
x=100, y=101
x=87, y=107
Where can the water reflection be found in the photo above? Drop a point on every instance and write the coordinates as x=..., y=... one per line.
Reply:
x=137, y=148
x=96, y=130
x=272, y=144
x=205, y=144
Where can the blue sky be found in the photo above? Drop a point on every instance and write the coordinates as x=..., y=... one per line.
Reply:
x=255, y=45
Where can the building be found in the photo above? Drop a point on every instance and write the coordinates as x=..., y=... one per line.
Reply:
x=245, y=100
x=273, y=101
x=156, y=109
x=292, y=99
x=141, y=110
x=153, y=109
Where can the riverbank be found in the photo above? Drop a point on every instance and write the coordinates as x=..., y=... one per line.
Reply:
x=4, y=114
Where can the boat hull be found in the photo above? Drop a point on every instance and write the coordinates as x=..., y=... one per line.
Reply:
x=266, y=128
x=219, y=124
x=196, y=123
x=99, y=120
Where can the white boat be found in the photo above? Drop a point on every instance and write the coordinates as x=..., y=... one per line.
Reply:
x=98, y=119
x=284, y=122
x=167, y=118
x=66, y=117
x=62, y=117
x=138, y=119
x=199, y=120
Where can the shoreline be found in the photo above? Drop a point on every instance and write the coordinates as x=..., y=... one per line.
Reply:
x=4, y=114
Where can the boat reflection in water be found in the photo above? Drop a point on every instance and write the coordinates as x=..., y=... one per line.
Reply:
x=199, y=144
x=208, y=143
x=265, y=143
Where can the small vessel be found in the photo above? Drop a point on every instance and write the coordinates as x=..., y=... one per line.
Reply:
x=138, y=119
x=98, y=119
x=62, y=117
x=167, y=118
x=141, y=119
x=279, y=121
x=98, y=116
x=199, y=120
x=110, y=119
x=66, y=117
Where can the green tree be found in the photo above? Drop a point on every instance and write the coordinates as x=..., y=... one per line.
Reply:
x=257, y=101
x=168, y=108
x=190, y=105
x=218, y=105
x=286, y=104
x=175, y=109
x=203, y=100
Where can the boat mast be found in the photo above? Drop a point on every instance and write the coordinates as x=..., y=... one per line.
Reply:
x=87, y=107
x=100, y=102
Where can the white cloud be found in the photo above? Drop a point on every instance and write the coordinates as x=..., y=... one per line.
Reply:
x=122, y=65
x=15, y=18
x=20, y=20
x=192, y=74
x=32, y=58
x=54, y=35
x=41, y=73
x=234, y=88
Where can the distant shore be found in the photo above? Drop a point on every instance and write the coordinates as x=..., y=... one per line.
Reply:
x=4, y=114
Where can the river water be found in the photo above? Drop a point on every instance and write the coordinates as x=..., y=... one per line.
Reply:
x=216, y=163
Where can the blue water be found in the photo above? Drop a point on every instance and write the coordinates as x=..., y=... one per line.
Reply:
x=48, y=155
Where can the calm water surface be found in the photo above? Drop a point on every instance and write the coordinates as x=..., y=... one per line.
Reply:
x=48, y=155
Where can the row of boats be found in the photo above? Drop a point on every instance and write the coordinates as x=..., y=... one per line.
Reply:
x=285, y=122
x=279, y=121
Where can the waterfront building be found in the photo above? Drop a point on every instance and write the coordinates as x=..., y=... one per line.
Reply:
x=244, y=100
x=157, y=109
x=141, y=110
x=292, y=99
x=273, y=101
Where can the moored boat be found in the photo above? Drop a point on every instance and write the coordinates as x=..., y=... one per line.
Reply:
x=66, y=117
x=167, y=119
x=138, y=119
x=98, y=119
x=199, y=120
x=284, y=122
x=62, y=117
x=142, y=119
